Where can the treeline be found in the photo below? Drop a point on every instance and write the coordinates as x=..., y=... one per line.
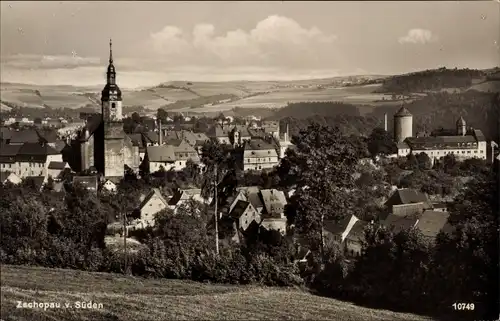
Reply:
x=430, y=80
x=435, y=111
x=441, y=110
x=310, y=108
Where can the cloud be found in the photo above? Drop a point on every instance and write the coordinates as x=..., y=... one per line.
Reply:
x=48, y=62
x=276, y=40
x=418, y=36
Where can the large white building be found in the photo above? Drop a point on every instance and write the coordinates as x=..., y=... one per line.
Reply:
x=466, y=143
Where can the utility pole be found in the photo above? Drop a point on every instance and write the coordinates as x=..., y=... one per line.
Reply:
x=125, y=254
x=216, y=214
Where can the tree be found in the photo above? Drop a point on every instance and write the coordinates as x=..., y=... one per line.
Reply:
x=380, y=142
x=136, y=118
x=322, y=165
x=469, y=253
x=424, y=161
x=161, y=114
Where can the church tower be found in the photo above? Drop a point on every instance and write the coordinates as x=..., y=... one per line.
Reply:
x=114, y=136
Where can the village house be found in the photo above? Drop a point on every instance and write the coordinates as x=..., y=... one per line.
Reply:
x=348, y=232
x=268, y=204
x=150, y=205
x=259, y=154
x=54, y=169
x=8, y=177
x=28, y=159
x=221, y=133
x=407, y=201
x=158, y=157
x=181, y=196
x=90, y=183
x=109, y=186
x=273, y=214
x=429, y=223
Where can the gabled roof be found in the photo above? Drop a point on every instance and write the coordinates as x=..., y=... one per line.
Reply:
x=239, y=209
x=431, y=223
x=154, y=193
x=183, y=195
x=479, y=135
x=357, y=231
x=407, y=196
x=57, y=165
x=335, y=227
x=274, y=201
x=398, y=223
x=36, y=149
x=151, y=137
x=8, y=153
x=219, y=131
x=252, y=195
x=24, y=136
x=259, y=148
x=164, y=153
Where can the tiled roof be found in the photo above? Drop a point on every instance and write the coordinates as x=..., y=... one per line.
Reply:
x=431, y=223
x=25, y=136
x=433, y=142
x=239, y=209
x=398, y=223
x=184, y=195
x=274, y=201
x=155, y=192
x=93, y=123
x=57, y=165
x=407, y=196
x=402, y=145
x=252, y=195
x=164, y=153
x=357, y=231
x=136, y=139
x=36, y=149
x=151, y=137
x=335, y=227
x=259, y=148
x=479, y=135
x=219, y=131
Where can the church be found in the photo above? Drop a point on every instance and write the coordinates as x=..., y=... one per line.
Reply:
x=102, y=144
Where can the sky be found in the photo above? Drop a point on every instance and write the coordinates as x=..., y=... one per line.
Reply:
x=67, y=43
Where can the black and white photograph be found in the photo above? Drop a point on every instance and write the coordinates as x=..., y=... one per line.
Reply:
x=249, y=160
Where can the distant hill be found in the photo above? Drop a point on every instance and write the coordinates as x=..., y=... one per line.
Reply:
x=432, y=80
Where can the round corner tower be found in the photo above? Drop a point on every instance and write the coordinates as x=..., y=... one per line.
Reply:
x=403, y=125
x=461, y=127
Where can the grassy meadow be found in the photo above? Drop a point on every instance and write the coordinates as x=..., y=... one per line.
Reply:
x=131, y=298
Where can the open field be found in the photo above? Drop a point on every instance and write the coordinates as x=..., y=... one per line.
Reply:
x=130, y=298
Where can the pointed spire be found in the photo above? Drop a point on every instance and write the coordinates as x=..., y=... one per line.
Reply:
x=110, y=51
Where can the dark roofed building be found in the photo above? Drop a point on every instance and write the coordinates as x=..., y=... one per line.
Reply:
x=430, y=223
x=90, y=183
x=24, y=136
x=407, y=201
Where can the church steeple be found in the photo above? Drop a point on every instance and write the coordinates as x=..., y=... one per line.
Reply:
x=111, y=95
x=111, y=73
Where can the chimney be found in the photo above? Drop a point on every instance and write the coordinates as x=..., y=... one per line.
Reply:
x=385, y=121
x=160, y=133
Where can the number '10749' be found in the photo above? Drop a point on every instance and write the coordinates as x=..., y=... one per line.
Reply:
x=463, y=306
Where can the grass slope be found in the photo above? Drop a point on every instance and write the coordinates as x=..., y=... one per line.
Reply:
x=130, y=298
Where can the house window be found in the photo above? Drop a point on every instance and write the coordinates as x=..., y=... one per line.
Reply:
x=481, y=152
x=468, y=152
x=475, y=152
x=113, y=105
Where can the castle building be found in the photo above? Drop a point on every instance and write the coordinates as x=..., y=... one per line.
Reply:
x=102, y=143
x=466, y=143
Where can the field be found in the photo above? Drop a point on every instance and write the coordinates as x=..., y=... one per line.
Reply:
x=130, y=298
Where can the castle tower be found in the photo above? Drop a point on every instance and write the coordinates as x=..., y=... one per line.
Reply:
x=114, y=136
x=461, y=127
x=403, y=125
